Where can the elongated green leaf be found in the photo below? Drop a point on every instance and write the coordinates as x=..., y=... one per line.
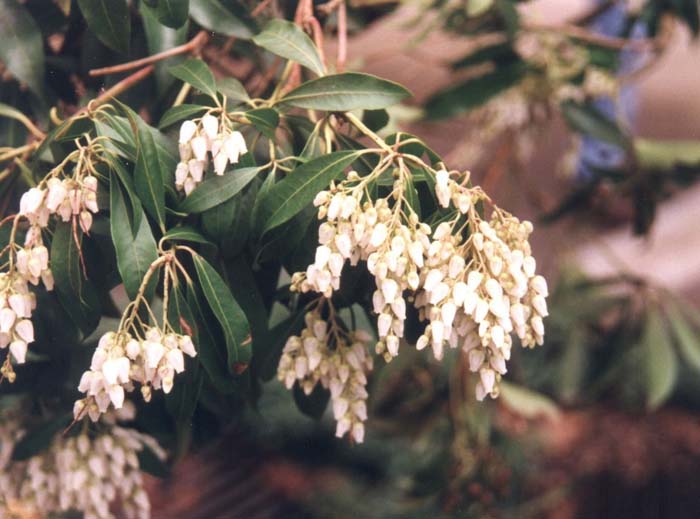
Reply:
x=286, y=39
x=660, y=361
x=228, y=313
x=344, y=92
x=588, y=120
x=135, y=252
x=178, y=113
x=21, y=46
x=148, y=178
x=217, y=190
x=109, y=20
x=687, y=339
x=185, y=233
x=473, y=92
x=232, y=89
x=212, y=15
x=40, y=438
x=173, y=13
x=159, y=38
x=196, y=73
x=134, y=211
x=182, y=401
x=298, y=189
x=499, y=53
x=77, y=294
x=265, y=120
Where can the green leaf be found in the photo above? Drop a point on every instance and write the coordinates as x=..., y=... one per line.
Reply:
x=473, y=92
x=182, y=401
x=499, y=53
x=180, y=112
x=209, y=352
x=135, y=252
x=217, y=189
x=344, y=92
x=76, y=294
x=232, y=89
x=509, y=15
x=588, y=120
x=228, y=313
x=313, y=404
x=666, y=154
x=527, y=403
x=109, y=20
x=267, y=357
x=265, y=120
x=375, y=120
x=21, y=45
x=38, y=439
x=148, y=178
x=150, y=463
x=172, y=13
x=196, y=73
x=185, y=233
x=687, y=339
x=212, y=15
x=286, y=39
x=660, y=361
x=159, y=38
x=298, y=189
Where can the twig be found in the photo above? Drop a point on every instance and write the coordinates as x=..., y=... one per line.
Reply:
x=260, y=8
x=196, y=42
x=582, y=34
x=117, y=89
x=342, y=37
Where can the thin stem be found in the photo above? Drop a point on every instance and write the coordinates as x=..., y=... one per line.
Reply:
x=182, y=94
x=196, y=42
x=117, y=89
x=342, y=54
x=134, y=305
x=16, y=152
x=369, y=133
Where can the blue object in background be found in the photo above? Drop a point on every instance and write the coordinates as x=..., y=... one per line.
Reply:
x=595, y=153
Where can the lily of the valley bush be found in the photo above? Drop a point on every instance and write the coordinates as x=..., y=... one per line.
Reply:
x=236, y=205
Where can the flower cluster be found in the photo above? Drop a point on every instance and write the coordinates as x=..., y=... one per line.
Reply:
x=67, y=198
x=472, y=280
x=479, y=302
x=16, y=328
x=196, y=141
x=85, y=473
x=120, y=360
x=308, y=360
x=393, y=249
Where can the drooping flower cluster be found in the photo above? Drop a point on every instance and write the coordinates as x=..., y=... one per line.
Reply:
x=197, y=141
x=121, y=360
x=472, y=280
x=16, y=328
x=67, y=198
x=393, y=249
x=308, y=359
x=96, y=474
x=477, y=303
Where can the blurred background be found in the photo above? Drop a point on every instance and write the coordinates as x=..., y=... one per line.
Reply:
x=609, y=425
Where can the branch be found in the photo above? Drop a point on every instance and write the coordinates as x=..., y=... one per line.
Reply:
x=196, y=42
x=582, y=34
x=117, y=89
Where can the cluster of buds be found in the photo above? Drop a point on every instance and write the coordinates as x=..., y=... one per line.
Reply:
x=68, y=198
x=307, y=360
x=16, y=328
x=472, y=280
x=393, y=249
x=121, y=360
x=87, y=473
x=478, y=303
x=197, y=141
